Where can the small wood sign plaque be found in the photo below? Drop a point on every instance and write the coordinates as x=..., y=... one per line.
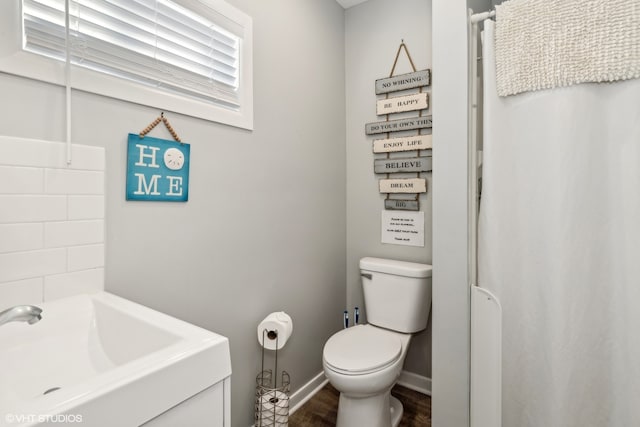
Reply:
x=403, y=81
x=398, y=125
x=157, y=169
x=405, y=143
x=400, y=104
x=411, y=164
x=403, y=185
x=401, y=205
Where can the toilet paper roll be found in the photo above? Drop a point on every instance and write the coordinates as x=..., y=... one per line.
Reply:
x=279, y=323
x=274, y=409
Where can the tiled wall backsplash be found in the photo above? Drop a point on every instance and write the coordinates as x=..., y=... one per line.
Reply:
x=51, y=220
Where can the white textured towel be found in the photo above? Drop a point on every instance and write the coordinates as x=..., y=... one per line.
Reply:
x=542, y=44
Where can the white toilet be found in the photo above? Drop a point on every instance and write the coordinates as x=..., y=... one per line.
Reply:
x=364, y=362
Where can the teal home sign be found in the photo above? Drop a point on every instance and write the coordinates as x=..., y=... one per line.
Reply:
x=157, y=169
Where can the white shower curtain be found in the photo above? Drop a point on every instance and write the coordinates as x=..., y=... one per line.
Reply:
x=559, y=244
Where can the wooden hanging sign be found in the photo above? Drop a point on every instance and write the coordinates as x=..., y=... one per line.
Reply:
x=403, y=185
x=405, y=143
x=403, y=81
x=400, y=104
x=157, y=169
x=398, y=125
x=412, y=164
x=401, y=205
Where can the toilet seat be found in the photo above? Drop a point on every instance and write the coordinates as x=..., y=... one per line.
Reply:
x=361, y=349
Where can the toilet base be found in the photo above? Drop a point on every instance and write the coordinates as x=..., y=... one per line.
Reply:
x=382, y=410
x=396, y=411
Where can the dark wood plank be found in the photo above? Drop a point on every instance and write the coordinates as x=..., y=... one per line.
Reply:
x=322, y=409
x=417, y=407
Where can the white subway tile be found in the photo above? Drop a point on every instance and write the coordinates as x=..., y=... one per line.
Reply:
x=86, y=207
x=71, y=233
x=69, y=284
x=31, y=152
x=65, y=181
x=29, y=291
x=21, y=237
x=48, y=154
x=21, y=180
x=85, y=257
x=24, y=265
x=32, y=208
x=46, y=203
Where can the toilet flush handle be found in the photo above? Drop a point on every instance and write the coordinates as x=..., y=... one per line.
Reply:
x=366, y=276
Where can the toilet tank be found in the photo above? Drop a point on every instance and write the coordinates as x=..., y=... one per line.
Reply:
x=397, y=294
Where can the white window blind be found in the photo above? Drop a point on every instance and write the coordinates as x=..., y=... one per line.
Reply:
x=154, y=42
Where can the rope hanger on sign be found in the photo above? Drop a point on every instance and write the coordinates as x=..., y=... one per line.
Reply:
x=164, y=120
x=395, y=62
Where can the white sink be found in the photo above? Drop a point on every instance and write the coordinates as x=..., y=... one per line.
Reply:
x=104, y=361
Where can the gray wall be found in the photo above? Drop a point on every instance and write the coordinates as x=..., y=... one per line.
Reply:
x=374, y=31
x=265, y=223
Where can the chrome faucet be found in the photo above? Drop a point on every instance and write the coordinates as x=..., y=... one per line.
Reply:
x=21, y=313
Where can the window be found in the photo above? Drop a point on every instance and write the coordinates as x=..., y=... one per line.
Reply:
x=192, y=57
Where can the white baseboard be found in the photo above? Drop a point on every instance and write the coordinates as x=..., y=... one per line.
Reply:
x=415, y=382
x=306, y=392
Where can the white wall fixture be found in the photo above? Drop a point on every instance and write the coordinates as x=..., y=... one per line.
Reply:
x=486, y=359
x=101, y=354
x=451, y=301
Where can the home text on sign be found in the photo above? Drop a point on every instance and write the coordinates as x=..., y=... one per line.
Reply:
x=157, y=169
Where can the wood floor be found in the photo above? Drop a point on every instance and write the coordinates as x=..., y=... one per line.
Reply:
x=322, y=409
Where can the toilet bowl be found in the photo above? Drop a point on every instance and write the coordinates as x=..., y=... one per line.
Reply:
x=364, y=362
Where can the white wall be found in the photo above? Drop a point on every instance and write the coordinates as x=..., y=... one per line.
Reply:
x=51, y=221
x=265, y=223
x=450, y=403
x=374, y=31
x=451, y=305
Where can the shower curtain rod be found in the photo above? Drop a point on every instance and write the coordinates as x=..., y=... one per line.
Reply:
x=478, y=17
x=472, y=148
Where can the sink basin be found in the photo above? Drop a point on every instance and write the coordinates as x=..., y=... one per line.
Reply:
x=104, y=361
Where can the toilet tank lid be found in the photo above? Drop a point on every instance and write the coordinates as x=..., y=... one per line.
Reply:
x=398, y=268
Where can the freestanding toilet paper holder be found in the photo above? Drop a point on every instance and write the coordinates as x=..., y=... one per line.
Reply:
x=272, y=401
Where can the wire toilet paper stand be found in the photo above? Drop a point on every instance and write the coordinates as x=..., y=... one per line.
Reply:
x=272, y=401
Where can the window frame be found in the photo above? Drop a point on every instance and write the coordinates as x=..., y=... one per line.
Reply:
x=14, y=60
